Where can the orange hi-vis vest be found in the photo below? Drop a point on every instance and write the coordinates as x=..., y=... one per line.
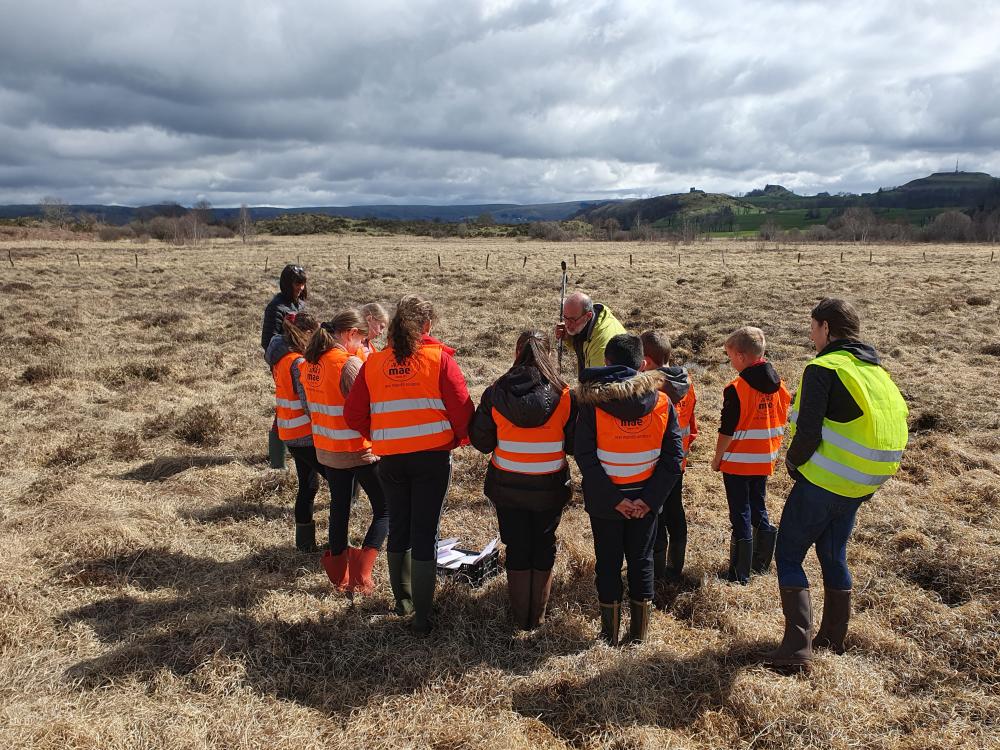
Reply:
x=629, y=449
x=533, y=450
x=685, y=414
x=291, y=419
x=326, y=404
x=757, y=439
x=407, y=412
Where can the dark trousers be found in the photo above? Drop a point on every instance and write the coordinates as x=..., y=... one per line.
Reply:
x=811, y=516
x=671, y=523
x=415, y=485
x=746, y=497
x=341, y=495
x=626, y=540
x=530, y=537
x=309, y=470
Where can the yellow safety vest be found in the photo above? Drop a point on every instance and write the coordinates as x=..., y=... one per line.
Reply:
x=855, y=458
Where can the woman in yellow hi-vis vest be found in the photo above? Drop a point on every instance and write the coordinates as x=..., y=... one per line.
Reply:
x=848, y=427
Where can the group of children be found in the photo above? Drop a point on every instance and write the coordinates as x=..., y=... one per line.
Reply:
x=387, y=421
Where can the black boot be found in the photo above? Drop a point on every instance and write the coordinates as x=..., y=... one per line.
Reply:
x=763, y=549
x=423, y=580
x=638, y=625
x=740, y=555
x=796, y=644
x=611, y=621
x=675, y=557
x=275, y=450
x=305, y=537
x=836, y=614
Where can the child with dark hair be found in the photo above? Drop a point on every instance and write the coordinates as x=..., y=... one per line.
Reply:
x=286, y=356
x=671, y=529
x=526, y=419
x=629, y=449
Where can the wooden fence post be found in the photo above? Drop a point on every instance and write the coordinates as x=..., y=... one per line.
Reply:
x=487, y=261
x=348, y=262
x=136, y=260
x=78, y=260
x=439, y=260
x=265, y=264
x=10, y=257
x=525, y=261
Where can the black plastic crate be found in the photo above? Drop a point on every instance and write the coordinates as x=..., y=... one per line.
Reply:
x=475, y=574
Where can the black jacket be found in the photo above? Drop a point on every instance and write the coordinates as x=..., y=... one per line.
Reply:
x=523, y=397
x=761, y=377
x=625, y=394
x=824, y=395
x=274, y=316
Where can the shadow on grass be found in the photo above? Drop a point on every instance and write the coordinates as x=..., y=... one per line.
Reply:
x=201, y=616
x=658, y=689
x=165, y=467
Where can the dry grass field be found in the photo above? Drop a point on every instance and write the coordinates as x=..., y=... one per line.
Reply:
x=151, y=596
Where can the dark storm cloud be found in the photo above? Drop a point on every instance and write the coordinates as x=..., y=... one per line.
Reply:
x=428, y=101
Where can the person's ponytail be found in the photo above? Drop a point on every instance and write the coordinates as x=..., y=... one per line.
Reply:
x=534, y=349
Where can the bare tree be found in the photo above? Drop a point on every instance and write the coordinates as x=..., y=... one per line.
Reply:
x=244, y=224
x=201, y=215
x=54, y=211
x=859, y=222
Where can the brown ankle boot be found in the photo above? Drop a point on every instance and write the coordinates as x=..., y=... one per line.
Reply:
x=541, y=588
x=796, y=645
x=519, y=592
x=833, y=626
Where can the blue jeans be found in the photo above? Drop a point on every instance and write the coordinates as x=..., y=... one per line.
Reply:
x=811, y=516
x=746, y=496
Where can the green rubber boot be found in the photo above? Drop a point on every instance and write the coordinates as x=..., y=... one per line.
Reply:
x=423, y=580
x=399, y=580
x=275, y=450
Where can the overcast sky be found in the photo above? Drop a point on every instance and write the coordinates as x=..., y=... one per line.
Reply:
x=426, y=101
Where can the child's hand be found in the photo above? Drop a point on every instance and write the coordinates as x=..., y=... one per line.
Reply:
x=641, y=509
x=717, y=463
x=626, y=508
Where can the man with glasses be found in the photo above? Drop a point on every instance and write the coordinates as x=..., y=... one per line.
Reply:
x=588, y=327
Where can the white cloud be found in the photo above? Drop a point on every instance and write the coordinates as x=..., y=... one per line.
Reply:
x=431, y=101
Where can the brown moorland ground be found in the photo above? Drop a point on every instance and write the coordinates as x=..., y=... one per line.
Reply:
x=150, y=595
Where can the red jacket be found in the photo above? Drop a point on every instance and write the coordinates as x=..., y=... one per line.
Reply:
x=454, y=393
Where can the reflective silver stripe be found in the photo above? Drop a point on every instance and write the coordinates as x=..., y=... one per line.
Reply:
x=871, y=454
x=524, y=467
x=513, y=446
x=285, y=403
x=750, y=458
x=335, y=434
x=406, y=404
x=846, y=472
x=330, y=411
x=758, y=434
x=793, y=416
x=629, y=458
x=417, y=430
x=289, y=424
x=616, y=470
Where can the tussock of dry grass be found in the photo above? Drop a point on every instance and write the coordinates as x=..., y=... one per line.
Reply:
x=151, y=596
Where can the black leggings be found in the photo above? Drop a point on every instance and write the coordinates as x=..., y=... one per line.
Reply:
x=672, y=523
x=309, y=470
x=626, y=540
x=530, y=537
x=341, y=491
x=416, y=485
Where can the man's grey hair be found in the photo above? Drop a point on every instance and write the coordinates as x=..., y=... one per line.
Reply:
x=586, y=303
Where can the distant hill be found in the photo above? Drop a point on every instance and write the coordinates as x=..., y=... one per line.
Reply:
x=502, y=213
x=940, y=190
x=669, y=210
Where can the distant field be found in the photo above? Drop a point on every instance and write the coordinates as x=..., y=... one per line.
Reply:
x=150, y=595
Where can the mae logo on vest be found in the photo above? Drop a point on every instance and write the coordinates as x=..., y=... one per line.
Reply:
x=632, y=426
x=398, y=372
x=314, y=375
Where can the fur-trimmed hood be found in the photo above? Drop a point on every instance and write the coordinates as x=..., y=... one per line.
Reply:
x=620, y=391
